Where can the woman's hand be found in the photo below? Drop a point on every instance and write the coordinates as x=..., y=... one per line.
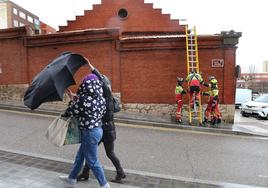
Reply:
x=91, y=66
x=70, y=94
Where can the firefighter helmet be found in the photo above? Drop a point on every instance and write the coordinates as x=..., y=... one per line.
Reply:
x=211, y=78
x=214, y=81
x=179, y=79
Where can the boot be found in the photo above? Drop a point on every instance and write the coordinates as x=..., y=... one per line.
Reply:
x=213, y=121
x=178, y=120
x=119, y=176
x=84, y=175
x=205, y=120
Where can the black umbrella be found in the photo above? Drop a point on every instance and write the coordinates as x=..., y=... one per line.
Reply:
x=50, y=84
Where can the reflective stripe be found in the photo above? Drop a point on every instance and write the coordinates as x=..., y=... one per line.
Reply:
x=194, y=76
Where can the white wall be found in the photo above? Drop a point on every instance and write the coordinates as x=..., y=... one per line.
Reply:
x=3, y=16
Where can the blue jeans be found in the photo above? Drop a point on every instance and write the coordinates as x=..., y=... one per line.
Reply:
x=89, y=150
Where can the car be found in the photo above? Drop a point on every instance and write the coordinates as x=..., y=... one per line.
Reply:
x=252, y=108
x=263, y=113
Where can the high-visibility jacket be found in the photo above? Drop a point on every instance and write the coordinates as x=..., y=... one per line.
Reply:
x=194, y=79
x=213, y=89
x=213, y=93
x=179, y=90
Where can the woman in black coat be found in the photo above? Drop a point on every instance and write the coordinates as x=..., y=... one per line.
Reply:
x=109, y=131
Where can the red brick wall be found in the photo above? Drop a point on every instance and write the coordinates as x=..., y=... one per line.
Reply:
x=142, y=70
x=150, y=76
x=229, y=76
x=13, y=56
x=141, y=17
x=101, y=54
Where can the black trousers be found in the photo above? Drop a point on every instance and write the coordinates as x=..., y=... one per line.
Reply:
x=109, y=150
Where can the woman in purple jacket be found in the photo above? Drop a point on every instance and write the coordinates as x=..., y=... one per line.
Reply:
x=89, y=108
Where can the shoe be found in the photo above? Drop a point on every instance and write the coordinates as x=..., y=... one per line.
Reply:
x=106, y=186
x=68, y=181
x=178, y=120
x=205, y=120
x=118, y=178
x=83, y=177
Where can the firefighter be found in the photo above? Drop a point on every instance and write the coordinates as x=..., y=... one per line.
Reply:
x=179, y=91
x=195, y=80
x=212, y=106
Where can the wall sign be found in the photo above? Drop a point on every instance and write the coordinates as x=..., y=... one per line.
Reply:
x=217, y=63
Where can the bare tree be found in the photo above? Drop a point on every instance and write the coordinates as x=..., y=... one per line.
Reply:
x=252, y=72
x=250, y=77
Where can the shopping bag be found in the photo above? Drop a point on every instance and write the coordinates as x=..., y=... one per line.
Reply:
x=57, y=130
x=73, y=135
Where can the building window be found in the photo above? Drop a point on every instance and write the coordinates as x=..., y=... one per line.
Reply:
x=36, y=22
x=22, y=15
x=15, y=11
x=30, y=19
x=15, y=23
x=21, y=24
x=1, y=69
x=37, y=31
x=122, y=13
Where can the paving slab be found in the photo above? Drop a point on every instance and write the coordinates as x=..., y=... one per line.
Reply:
x=24, y=170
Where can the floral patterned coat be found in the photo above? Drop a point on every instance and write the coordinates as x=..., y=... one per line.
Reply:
x=89, y=106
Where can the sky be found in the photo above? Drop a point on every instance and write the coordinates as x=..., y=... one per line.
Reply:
x=209, y=17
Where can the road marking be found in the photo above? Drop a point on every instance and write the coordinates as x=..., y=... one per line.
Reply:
x=264, y=123
x=263, y=176
x=153, y=128
x=190, y=131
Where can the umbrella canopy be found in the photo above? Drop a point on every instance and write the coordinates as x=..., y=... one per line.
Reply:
x=50, y=84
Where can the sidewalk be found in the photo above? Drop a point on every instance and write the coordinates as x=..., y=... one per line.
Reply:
x=23, y=170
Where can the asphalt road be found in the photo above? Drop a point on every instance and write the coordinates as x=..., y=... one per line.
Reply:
x=205, y=156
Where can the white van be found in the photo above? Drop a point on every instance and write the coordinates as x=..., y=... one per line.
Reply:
x=242, y=96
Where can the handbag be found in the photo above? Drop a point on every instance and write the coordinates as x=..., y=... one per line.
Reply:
x=117, y=107
x=73, y=135
x=57, y=130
